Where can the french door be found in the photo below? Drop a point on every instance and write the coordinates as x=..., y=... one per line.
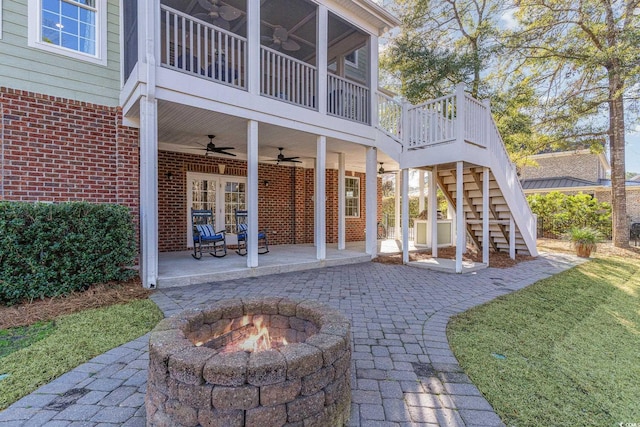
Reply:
x=219, y=193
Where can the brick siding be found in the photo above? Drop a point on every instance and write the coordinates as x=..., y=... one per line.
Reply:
x=582, y=166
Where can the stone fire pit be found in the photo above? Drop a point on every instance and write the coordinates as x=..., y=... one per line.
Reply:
x=199, y=373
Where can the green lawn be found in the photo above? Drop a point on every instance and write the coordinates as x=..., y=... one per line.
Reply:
x=33, y=356
x=571, y=345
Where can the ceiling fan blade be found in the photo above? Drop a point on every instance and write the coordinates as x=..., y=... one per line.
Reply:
x=224, y=148
x=275, y=46
x=266, y=38
x=221, y=23
x=280, y=33
x=225, y=153
x=290, y=159
x=290, y=45
x=207, y=5
x=229, y=13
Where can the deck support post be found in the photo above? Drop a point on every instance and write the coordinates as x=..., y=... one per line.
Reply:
x=485, y=216
x=252, y=196
x=371, y=211
x=396, y=211
x=433, y=210
x=420, y=191
x=512, y=237
x=341, y=202
x=405, y=216
x=460, y=219
x=320, y=205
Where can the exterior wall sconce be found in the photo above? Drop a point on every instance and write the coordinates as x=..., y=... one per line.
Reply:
x=221, y=169
x=169, y=176
x=266, y=183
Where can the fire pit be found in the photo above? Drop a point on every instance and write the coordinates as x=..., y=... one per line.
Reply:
x=265, y=362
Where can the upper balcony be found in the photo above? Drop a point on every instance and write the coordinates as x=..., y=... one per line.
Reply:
x=211, y=40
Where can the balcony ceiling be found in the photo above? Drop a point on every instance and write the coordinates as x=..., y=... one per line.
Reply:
x=185, y=129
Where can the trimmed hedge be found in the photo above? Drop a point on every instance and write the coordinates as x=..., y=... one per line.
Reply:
x=53, y=249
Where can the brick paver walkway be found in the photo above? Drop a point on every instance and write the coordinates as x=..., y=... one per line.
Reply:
x=403, y=372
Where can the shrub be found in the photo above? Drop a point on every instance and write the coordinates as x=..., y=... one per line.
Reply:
x=558, y=213
x=54, y=249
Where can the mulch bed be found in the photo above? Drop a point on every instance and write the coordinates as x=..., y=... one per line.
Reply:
x=96, y=296
x=496, y=259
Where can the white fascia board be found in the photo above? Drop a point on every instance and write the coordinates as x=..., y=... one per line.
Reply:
x=566, y=189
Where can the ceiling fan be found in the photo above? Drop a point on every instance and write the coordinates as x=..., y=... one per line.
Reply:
x=282, y=158
x=280, y=39
x=217, y=14
x=211, y=148
x=382, y=171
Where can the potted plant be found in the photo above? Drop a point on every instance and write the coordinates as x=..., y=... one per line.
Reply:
x=584, y=239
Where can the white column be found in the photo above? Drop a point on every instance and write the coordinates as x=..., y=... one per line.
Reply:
x=460, y=114
x=460, y=228
x=420, y=191
x=253, y=46
x=341, y=202
x=321, y=214
x=373, y=78
x=252, y=196
x=149, y=150
x=405, y=216
x=396, y=210
x=321, y=54
x=485, y=216
x=433, y=211
x=372, y=202
x=512, y=238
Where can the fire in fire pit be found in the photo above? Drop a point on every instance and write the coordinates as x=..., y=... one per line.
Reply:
x=265, y=362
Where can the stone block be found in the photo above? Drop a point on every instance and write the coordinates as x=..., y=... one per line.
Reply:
x=244, y=397
x=194, y=318
x=287, y=307
x=197, y=396
x=327, y=417
x=305, y=407
x=302, y=359
x=163, y=344
x=267, y=305
x=211, y=315
x=318, y=380
x=232, y=309
x=227, y=369
x=333, y=347
x=311, y=311
x=173, y=322
x=338, y=390
x=267, y=416
x=298, y=324
x=279, y=322
x=215, y=418
x=181, y=413
x=266, y=367
x=276, y=394
x=187, y=365
x=343, y=363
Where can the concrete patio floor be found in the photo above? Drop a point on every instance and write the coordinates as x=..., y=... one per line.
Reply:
x=403, y=371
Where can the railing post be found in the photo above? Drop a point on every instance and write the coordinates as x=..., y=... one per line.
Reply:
x=460, y=113
x=487, y=121
x=405, y=123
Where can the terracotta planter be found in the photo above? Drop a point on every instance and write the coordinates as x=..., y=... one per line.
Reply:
x=584, y=250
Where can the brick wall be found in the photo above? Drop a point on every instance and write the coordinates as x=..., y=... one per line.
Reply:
x=633, y=202
x=59, y=150
x=583, y=166
x=286, y=203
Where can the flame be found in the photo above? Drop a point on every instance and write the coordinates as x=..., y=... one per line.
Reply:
x=258, y=341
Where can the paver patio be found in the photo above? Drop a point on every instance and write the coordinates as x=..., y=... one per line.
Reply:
x=403, y=371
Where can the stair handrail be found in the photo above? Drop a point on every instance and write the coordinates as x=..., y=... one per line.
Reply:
x=432, y=122
x=389, y=116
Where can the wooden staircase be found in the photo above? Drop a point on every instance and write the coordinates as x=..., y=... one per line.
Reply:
x=500, y=222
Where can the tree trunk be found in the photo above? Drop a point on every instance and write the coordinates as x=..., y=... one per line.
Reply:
x=616, y=151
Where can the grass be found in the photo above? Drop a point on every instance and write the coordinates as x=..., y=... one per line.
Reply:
x=71, y=340
x=14, y=339
x=571, y=345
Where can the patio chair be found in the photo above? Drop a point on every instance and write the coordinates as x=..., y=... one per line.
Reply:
x=242, y=230
x=204, y=234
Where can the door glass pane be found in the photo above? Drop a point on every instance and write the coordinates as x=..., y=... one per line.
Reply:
x=203, y=194
x=234, y=198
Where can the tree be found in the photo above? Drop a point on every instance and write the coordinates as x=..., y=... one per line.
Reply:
x=586, y=54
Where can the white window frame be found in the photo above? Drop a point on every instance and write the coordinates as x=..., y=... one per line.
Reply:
x=0, y=19
x=35, y=31
x=357, y=179
x=355, y=59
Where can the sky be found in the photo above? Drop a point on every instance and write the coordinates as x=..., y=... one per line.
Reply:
x=632, y=151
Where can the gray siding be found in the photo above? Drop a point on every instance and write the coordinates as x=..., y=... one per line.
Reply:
x=35, y=70
x=359, y=74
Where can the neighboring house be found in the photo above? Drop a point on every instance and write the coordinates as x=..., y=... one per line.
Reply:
x=113, y=101
x=579, y=171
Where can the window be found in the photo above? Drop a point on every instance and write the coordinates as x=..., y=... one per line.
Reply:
x=75, y=28
x=352, y=197
x=352, y=59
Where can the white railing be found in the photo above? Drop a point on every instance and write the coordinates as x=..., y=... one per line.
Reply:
x=518, y=206
x=433, y=122
x=287, y=78
x=389, y=115
x=475, y=124
x=347, y=99
x=194, y=46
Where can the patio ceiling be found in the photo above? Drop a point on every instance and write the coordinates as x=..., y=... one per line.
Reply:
x=185, y=129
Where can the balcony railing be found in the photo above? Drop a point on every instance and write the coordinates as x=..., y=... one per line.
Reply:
x=389, y=116
x=287, y=79
x=347, y=99
x=196, y=47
